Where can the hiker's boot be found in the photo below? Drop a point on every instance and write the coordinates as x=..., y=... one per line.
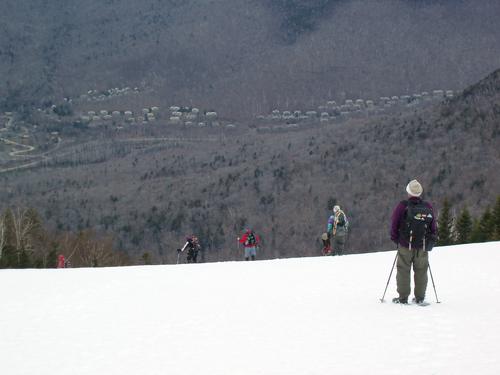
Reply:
x=400, y=300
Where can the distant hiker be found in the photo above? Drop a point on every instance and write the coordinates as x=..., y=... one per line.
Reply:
x=60, y=261
x=250, y=242
x=193, y=247
x=413, y=229
x=337, y=229
x=327, y=246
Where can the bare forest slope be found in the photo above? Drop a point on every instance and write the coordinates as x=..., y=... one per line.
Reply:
x=150, y=185
x=243, y=57
x=216, y=181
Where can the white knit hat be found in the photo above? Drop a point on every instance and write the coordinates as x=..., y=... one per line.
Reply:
x=414, y=188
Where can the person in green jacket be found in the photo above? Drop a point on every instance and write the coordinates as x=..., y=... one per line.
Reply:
x=337, y=230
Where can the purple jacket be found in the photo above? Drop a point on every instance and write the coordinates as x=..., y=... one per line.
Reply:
x=397, y=220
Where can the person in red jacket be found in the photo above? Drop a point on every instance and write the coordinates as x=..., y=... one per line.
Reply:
x=61, y=261
x=250, y=242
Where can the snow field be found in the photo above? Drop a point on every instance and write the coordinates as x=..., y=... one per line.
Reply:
x=287, y=316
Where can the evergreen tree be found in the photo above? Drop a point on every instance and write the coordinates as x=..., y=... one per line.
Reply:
x=482, y=229
x=496, y=220
x=475, y=235
x=9, y=256
x=49, y=258
x=487, y=225
x=445, y=224
x=51, y=261
x=37, y=243
x=24, y=259
x=2, y=236
x=463, y=227
x=146, y=258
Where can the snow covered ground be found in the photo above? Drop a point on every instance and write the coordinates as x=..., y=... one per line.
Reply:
x=291, y=316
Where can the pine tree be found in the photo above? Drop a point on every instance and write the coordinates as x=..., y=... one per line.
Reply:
x=25, y=259
x=9, y=257
x=483, y=228
x=463, y=227
x=475, y=235
x=2, y=235
x=445, y=224
x=37, y=244
x=496, y=220
x=487, y=225
x=146, y=258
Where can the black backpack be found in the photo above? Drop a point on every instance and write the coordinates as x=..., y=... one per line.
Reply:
x=250, y=239
x=341, y=220
x=416, y=227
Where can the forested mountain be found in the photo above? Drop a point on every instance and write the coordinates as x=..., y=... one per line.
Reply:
x=147, y=180
x=245, y=57
x=215, y=182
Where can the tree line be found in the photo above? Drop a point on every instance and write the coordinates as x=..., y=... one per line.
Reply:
x=26, y=243
x=464, y=228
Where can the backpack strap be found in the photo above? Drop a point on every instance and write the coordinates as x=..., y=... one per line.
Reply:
x=410, y=210
x=336, y=221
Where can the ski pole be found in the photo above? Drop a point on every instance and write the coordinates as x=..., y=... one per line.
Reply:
x=434, y=285
x=179, y=251
x=237, y=245
x=389, y=279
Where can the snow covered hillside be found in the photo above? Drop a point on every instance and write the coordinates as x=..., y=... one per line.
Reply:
x=292, y=316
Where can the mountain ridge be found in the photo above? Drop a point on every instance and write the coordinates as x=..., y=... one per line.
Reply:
x=234, y=55
x=214, y=182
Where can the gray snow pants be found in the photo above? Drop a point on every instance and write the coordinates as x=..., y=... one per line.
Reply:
x=339, y=244
x=420, y=261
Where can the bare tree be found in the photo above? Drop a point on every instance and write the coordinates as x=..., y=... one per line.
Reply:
x=24, y=225
x=94, y=252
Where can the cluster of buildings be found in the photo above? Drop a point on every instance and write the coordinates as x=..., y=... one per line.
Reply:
x=95, y=118
x=99, y=96
x=192, y=117
x=175, y=115
x=350, y=108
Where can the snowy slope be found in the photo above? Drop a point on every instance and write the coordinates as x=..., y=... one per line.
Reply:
x=295, y=316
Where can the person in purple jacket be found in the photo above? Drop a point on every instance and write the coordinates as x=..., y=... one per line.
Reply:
x=413, y=229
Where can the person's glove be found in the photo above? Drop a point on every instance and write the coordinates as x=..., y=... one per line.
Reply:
x=429, y=244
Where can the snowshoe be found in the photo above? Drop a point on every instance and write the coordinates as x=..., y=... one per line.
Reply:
x=403, y=301
x=420, y=302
